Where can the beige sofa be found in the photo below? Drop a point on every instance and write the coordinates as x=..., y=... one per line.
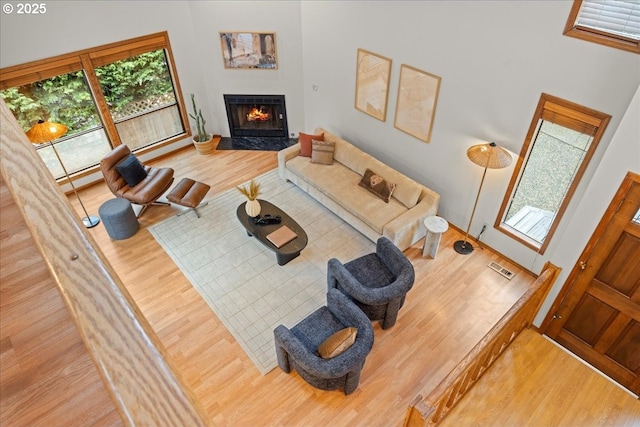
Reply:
x=336, y=187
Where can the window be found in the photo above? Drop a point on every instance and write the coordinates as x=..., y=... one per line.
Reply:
x=560, y=142
x=614, y=23
x=122, y=93
x=65, y=98
x=144, y=110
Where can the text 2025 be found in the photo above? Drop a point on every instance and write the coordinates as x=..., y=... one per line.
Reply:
x=31, y=8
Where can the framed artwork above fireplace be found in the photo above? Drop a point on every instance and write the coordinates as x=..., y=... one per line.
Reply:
x=249, y=50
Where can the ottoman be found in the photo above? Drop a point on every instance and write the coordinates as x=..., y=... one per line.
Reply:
x=119, y=218
x=189, y=193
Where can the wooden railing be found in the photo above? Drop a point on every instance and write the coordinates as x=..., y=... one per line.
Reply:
x=136, y=369
x=431, y=410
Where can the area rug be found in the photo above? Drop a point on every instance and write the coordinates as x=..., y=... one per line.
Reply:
x=239, y=277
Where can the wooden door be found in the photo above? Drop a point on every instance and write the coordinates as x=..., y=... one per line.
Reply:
x=598, y=312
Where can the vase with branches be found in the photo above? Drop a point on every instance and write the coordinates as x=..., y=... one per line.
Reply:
x=251, y=191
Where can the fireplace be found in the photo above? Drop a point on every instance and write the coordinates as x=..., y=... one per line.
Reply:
x=257, y=116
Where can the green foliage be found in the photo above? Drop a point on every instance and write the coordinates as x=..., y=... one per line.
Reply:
x=64, y=99
x=67, y=99
x=134, y=79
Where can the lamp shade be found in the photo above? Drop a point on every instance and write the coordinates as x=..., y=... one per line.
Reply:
x=43, y=132
x=489, y=155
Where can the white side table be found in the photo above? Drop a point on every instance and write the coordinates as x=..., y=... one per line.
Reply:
x=435, y=227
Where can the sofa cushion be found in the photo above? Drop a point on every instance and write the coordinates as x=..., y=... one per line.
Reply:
x=377, y=185
x=338, y=342
x=407, y=190
x=348, y=154
x=340, y=184
x=305, y=141
x=322, y=152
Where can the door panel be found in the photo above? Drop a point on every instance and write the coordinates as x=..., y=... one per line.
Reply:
x=598, y=310
x=590, y=319
x=626, y=351
x=618, y=271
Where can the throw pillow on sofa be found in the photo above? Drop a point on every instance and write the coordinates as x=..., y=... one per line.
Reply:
x=131, y=170
x=377, y=185
x=305, y=142
x=338, y=343
x=322, y=152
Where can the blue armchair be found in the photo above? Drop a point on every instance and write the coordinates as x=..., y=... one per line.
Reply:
x=297, y=347
x=378, y=283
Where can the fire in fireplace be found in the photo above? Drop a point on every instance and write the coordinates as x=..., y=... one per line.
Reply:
x=256, y=115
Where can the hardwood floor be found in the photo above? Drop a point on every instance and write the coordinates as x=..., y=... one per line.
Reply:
x=456, y=299
x=47, y=376
x=407, y=359
x=535, y=382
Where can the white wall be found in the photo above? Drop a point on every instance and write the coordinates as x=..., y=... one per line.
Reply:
x=495, y=59
x=283, y=18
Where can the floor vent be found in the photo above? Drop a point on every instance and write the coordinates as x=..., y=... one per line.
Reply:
x=500, y=269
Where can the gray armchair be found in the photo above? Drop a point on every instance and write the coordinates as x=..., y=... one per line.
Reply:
x=297, y=347
x=377, y=282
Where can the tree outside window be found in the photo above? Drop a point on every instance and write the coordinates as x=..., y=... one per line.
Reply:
x=62, y=99
x=141, y=99
x=122, y=93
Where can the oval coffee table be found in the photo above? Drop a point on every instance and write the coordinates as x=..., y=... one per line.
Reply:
x=284, y=253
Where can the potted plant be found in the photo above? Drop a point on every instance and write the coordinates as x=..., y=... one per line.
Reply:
x=251, y=192
x=203, y=141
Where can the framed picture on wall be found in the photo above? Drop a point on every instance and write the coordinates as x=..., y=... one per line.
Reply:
x=417, y=99
x=372, y=84
x=249, y=50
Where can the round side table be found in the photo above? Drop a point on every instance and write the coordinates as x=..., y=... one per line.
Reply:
x=435, y=227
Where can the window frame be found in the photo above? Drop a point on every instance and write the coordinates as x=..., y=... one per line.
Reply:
x=593, y=35
x=572, y=113
x=87, y=60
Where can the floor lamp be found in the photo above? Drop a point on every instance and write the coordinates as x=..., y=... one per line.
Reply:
x=43, y=132
x=489, y=156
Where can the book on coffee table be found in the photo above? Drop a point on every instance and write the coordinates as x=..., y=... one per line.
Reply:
x=281, y=236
